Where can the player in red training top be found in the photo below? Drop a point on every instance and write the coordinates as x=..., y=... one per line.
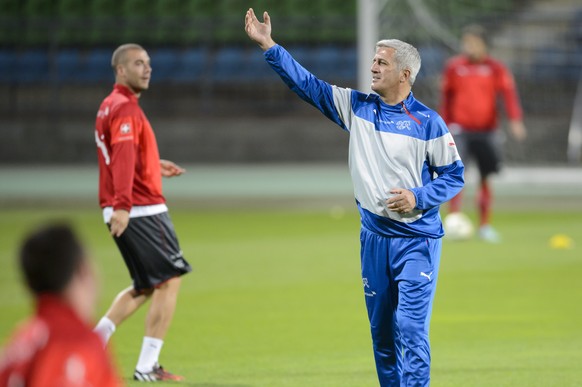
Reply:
x=57, y=346
x=471, y=85
x=130, y=194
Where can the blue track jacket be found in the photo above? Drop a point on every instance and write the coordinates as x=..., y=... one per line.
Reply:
x=403, y=146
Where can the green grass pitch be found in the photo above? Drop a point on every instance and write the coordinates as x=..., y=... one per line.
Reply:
x=276, y=300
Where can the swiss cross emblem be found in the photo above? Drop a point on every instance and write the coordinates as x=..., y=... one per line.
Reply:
x=125, y=128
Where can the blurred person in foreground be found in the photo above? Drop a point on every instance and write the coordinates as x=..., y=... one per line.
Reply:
x=404, y=164
x=472, y=82
x=57, y=346
x=134, y=209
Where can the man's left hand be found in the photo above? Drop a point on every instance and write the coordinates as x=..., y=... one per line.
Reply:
x=401, y=201
x=170, y=169
x=518, y=130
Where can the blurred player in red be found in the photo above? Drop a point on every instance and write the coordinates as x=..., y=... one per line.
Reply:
x=57, y=346
x=472, y=82
x=134, y=208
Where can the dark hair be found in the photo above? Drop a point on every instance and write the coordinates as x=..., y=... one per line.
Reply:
x=478, y=31
x=49, y=258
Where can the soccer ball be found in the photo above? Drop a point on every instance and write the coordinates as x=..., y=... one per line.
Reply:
x=458, y=226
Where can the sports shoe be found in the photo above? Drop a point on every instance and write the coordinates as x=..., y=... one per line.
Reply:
x=488, y=234
x=157, y=374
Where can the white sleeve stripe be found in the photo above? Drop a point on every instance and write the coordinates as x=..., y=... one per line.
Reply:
x=444, y=151
x=342, y=99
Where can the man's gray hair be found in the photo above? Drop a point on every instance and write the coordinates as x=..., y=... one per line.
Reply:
x=406, y=56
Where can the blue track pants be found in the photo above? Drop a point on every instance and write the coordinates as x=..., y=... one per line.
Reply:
x=399, y=276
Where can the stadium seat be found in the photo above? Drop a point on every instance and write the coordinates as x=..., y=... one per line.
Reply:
x=557, y=63
x=164, y=63
x=32, y=66
x=327, y=62
x=258, y=68
x=191, y=65
x=331, y=63
x=229, y=63
x=97, y=66
x=7, y=66
x=348, y=57
x=68, y=65
x=577, y=29
x=433, y=60
x=304, y=55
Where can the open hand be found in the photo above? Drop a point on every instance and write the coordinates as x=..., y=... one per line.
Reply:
x=257, y=31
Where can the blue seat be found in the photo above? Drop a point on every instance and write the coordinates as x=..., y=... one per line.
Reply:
x=229, y=64
x=349, y=58
x=433, y=60
x=97, y=66
x=304, y=55
x=7, y=65
x=328, y=63
x=576, y=28
x=164, y=63
x=258, y=68
x=32, y=66
x=68, y=65
x=556, y=63
x=191, y=65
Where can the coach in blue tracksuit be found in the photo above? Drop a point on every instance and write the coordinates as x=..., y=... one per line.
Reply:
x=404, y=164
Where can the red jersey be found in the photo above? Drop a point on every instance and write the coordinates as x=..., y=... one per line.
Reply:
x=470, y=90
x=56, y=348
x=129, y=161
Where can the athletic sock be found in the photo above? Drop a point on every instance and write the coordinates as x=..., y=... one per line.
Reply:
x=150, y=352
x=484, y=202
x=105, y=329
x=455, y=202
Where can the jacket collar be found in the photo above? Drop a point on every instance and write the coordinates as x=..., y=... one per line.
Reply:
x=401, y=107
x=125, y=91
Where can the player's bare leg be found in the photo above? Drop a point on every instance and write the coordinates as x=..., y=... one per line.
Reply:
x=123, y=306
x=158, y=319
x=162, y=308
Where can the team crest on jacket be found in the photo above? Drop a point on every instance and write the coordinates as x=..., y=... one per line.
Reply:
x=125, y=128
x=403, y=125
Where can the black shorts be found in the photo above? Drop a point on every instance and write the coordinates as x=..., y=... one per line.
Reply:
x=151, y=252
x=481, y=146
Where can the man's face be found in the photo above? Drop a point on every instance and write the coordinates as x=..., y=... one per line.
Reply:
x=474, y=47
x=135, y=71
x=385, y=74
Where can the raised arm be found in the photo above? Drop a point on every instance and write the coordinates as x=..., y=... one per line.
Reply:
x=257, y=31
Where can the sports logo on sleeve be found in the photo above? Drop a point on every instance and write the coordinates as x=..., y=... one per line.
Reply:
x=122, y=130
x=125, y=128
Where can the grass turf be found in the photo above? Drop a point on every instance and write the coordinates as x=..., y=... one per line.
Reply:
x=276, y=300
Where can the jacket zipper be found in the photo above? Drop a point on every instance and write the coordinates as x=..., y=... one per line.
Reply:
x=409, y=114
